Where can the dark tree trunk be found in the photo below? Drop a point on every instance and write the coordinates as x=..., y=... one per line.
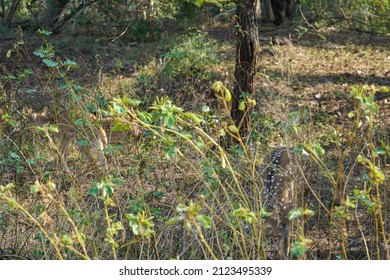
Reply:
x=53, y=10
x=268, y=14
x=246, y=51
x=283, y=11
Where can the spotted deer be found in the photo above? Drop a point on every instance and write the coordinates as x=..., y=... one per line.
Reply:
x=99, y=137
x=284, y=186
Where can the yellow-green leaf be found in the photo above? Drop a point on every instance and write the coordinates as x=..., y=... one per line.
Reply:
x=242, y=106
x=228, y=95
x=232, y=128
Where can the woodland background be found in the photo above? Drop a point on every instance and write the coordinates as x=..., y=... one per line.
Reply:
x=184, y=186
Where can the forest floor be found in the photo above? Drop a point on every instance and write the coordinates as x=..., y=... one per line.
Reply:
x=314, y=68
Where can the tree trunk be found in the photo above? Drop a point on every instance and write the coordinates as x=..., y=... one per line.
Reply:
x=267, y=11
x=246, y=51
x=53, y=11
x=283, y=11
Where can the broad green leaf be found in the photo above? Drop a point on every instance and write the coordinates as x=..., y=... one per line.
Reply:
x=133, y=102
x=242, y=106
x=181, y=208
x=195, y=117
x=69, y=63
x=228, y=95
x=14, y=156
x=204, y=220
x=50, y=63
x=66, y=240
x=186, y=134
x=93, y=191
x=232, y=128
x=53, y=128
x=83, y=143
x=79, y=122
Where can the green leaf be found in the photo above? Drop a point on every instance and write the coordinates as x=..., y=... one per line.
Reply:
x=242, y=106
x=170, y=151
x=299, y=248
x=169, y=121
x=307, y=212
x=93, y=191
x=204, y=220
x=187, y=225
x=195, y=117
x=118, y=127
x=66, y=240
x=294, y=214
x=134, y=227
x=319, y=150
x=218, y=85
x=117, y=226
x=43, y=32
x=379, y=152
x=117, y=181
x=14, y=156
x=132, y=102
x=206, y=109
x=74, y=213
x=145, y=117
x=39, y=53
x=79, y=122
x=28, y=71
x=53, y=128
x=228, y=95
x=349, y=203
x=83, y=143
x=186, y=134
x=50, y=63
x=175, y=220
x=232, y=128
x=182, y=208
x=69, y=63
x=198, y=3
x=158, y=194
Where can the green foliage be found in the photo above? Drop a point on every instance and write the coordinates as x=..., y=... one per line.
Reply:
x=300, y=247
x=371, y=15
x=143, y=30
x=193, y=56
x=141, y=225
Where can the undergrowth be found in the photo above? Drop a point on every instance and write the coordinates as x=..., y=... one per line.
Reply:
x=181, y=188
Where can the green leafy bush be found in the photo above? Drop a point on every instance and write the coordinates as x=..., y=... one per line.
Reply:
x=370, y=15
x=194, y=55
